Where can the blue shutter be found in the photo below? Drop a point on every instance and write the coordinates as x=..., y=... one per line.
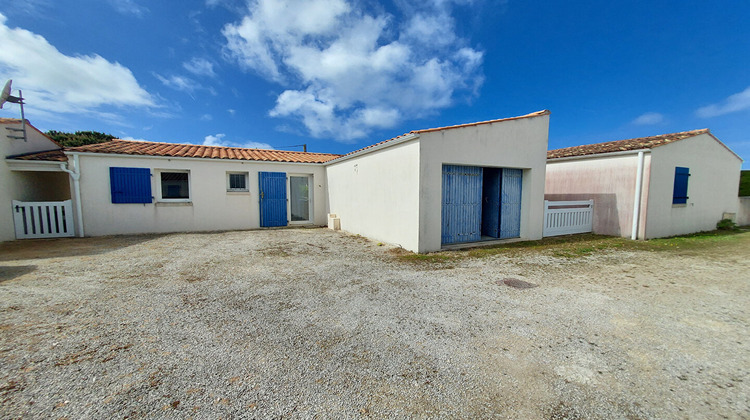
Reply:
x=510, y=205
x=680, y=193
x=462, y=204
x=130, y=185
x=272, y=199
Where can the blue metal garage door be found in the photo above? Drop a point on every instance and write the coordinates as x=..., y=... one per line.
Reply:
x=462, y=204
x=272, y=194
x=510, y=203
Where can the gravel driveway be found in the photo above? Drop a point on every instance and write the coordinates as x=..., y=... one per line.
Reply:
x=308, y=323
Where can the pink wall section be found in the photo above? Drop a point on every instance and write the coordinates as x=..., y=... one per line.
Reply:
x=609, y=181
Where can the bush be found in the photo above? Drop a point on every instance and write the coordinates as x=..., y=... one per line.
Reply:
x=726, y=224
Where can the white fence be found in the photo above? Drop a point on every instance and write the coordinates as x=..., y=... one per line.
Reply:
x=567, y=217
x=48, y=219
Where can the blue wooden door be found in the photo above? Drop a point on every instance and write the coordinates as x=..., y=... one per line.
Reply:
x=491, y=202
x=510, y=203
x=462, y=204
x=272, y=194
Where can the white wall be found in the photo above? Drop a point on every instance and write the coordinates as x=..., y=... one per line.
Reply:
x=211, y=206
x=377, y=194
x=743, y=211
x=13, y=185
x=520, y=143
x=610, y=181
x=712, y=186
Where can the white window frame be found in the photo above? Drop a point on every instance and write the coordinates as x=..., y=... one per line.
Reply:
x=160, y=196
x=239, y=190
x=310, y=198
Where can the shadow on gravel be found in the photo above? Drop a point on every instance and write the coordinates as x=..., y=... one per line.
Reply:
x=13, y=271
x=68, y=247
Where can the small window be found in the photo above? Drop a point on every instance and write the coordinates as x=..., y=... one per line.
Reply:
x=680, y=192
x=237, y=181
x=175, y=185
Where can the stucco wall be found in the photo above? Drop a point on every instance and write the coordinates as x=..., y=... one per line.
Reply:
x=377, y=194
x=712, y=186
x=610, y=181
x=743, y=211
x=12, y=183
x=520, y=144
x=211, y=206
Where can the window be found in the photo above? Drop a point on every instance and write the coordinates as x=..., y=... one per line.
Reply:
x=299, y=192
x=130, y=185
x=680, y=193
x=175, y=185
x=237, y=181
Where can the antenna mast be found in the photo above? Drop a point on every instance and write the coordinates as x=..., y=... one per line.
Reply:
x=5, y=96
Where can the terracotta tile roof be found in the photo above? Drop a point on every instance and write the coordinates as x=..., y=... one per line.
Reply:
x=147, y=148
x=50, y=155
x=623, y=145
x=11, y=121
x=427, y=130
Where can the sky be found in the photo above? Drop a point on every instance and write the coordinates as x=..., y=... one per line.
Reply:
x=339, y=75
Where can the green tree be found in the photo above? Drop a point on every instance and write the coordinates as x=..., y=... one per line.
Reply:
x=79, y=138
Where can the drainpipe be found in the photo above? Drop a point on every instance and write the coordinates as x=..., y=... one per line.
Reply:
x=637, y=198
x=75, y=174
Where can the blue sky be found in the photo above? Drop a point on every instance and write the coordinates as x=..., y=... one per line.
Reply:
x=342, y=74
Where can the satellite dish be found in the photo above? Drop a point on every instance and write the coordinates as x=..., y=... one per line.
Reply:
x=5, y=96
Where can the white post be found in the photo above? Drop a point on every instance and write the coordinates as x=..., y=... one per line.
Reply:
x=637, y=198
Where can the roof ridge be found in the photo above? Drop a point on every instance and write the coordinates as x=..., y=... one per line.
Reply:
x=531, y=115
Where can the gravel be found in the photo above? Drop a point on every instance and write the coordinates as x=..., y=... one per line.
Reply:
x=307, y=323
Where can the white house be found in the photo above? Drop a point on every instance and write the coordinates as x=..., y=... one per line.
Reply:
x=436, y=187
x=424, y=190
x=649, y=187
x=139, y=187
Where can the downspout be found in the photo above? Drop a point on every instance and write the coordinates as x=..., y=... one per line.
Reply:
x=75, y=174
x=637, y=198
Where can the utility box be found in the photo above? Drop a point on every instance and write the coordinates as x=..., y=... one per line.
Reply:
x=334, y=222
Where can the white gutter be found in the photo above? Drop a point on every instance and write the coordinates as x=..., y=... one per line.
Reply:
x=637, y=198
x=387, y=143
x=75, y=174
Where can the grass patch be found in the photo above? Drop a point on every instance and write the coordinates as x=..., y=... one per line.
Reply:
x=578, y=246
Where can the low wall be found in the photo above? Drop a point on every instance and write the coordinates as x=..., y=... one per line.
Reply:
x=743, y=211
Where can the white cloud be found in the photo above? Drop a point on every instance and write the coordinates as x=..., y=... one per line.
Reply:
x=128, y=7
x=347, y=72
x=649, y=118
x=218, y=140
x=200, y=67
x=214, y=140
x=734, y=103
x=57, y=83
x=206, y=117
x=183, y=84
x=132, y=139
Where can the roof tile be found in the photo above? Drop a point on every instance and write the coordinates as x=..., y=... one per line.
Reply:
x=147, y=148
x=623, y=145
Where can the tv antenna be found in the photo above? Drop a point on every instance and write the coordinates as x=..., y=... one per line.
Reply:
x=5, y=96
